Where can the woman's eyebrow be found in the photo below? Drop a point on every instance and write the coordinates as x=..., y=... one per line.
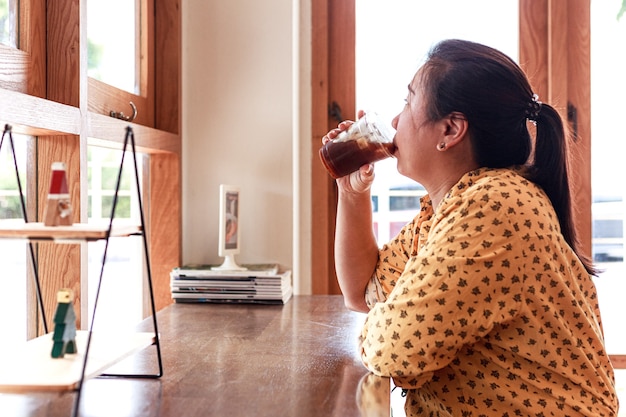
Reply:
x=410, y=89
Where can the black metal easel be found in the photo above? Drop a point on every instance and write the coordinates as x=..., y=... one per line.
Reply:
x=129, y=139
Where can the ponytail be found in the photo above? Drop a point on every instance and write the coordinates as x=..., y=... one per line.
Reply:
x=549, y=170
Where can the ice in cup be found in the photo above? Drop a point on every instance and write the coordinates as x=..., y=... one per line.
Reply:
x=367, y=140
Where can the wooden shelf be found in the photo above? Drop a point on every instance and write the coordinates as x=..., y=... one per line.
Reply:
x=106, y=131
x=30, y=115
x=30, y=367
x=77, y=232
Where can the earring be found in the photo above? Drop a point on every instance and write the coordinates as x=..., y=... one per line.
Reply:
x=441, y=146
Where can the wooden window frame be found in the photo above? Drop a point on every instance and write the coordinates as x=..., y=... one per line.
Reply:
x=332, y=80
x=555, y=40
x=24, y=69
x=45, y=93
x=104, y=98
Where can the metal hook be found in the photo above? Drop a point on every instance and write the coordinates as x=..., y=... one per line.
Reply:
x=334, y=111
x=122, y=116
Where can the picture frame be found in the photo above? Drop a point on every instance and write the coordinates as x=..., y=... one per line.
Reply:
x=229, y=227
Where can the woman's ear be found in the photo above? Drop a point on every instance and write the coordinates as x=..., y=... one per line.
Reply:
x=456, y=128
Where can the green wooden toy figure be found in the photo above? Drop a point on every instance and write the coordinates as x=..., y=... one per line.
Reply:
x=64, y=336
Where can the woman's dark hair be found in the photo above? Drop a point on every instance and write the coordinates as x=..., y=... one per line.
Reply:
x=494, y=94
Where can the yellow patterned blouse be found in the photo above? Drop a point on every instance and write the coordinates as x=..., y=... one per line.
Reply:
x=482, y=309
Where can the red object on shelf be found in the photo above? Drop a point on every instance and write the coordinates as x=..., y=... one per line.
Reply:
x=58, y=209
x=58, y=184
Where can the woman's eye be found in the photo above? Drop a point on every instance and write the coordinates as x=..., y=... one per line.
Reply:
x=406, y=101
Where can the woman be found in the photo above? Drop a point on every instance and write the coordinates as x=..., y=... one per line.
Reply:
x=484, y=304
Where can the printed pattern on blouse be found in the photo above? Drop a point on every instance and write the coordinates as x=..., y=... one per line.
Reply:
x=480, y=308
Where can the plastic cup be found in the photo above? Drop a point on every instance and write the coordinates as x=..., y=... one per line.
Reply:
x=367, y=140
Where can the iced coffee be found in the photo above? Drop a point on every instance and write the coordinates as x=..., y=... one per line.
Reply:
x=368, y=140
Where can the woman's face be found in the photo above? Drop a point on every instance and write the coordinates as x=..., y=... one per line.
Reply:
x=416, y=137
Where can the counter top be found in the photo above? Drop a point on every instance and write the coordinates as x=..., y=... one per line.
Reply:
x=300, y=359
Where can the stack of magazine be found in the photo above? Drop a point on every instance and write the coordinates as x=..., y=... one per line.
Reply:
x=259, y=283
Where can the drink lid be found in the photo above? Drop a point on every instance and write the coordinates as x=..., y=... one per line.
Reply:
x=379, y=127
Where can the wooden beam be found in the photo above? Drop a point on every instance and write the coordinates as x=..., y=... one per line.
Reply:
x=31, y=115
x=618, y=361
x=165, y=222
x=60, y=265
x=109, y=132
x=168, y=64
x=321, y=242
x=578, y=114
x=333, y=81
x=555, y=54
x=533, y=44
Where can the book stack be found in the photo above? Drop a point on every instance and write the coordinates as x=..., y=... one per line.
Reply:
x=259, y=283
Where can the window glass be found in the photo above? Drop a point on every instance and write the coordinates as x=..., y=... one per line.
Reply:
x=13, y=253
x=392, y=38
x=113, y=42
x=608, y=66
x=121, y=300
x=8, y=23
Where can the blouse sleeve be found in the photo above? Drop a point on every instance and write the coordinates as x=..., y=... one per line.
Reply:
x=393, y=256
x=392, y=259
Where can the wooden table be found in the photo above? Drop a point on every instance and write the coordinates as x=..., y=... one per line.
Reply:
x=300, y=359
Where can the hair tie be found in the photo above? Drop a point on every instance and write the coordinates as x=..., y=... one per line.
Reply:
x=534, y=107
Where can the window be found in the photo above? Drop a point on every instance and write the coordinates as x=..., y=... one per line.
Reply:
x=42, y=93
x=392, y=38
x=13, y=254
x=8, y=23
x=120, y=61
x=608, y=66
x=114, y=55
x=120, y=302
x=22, y=46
